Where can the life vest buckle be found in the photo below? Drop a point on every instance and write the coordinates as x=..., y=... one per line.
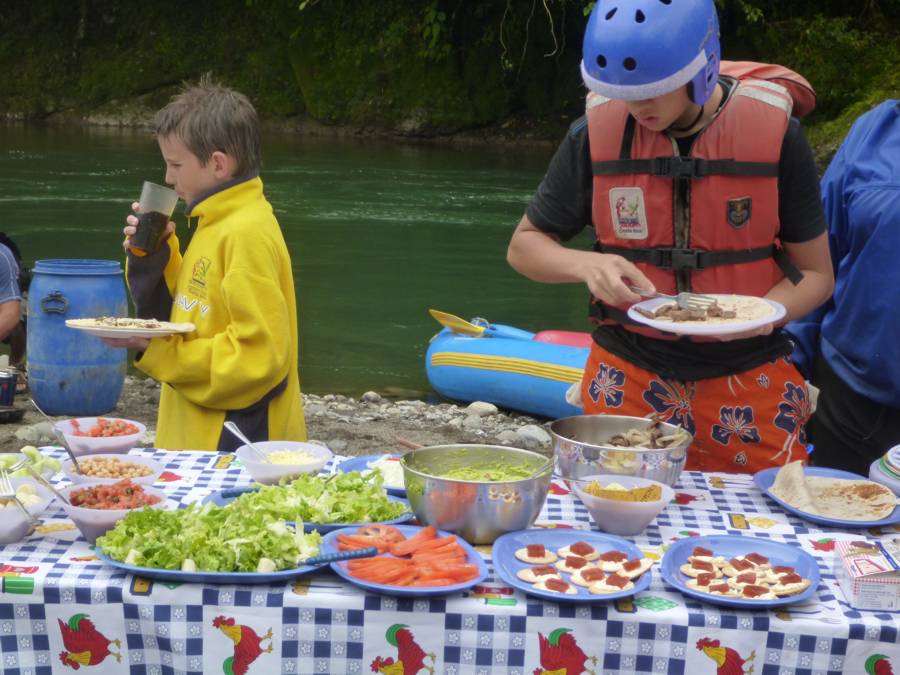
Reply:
x=677, y=258
x=675, y=166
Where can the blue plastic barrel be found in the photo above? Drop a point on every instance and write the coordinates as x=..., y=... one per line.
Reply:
x=71, y=372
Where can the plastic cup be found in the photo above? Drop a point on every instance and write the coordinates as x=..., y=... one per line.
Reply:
x=156, y=206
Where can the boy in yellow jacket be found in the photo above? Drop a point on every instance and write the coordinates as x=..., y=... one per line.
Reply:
x=234, y=282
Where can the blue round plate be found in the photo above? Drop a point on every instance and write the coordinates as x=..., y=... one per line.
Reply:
x=765, y=478
x=361, y=463
x=506, y=564
x=217, y=499
x=209, y=577
x=729, y=546
x=329, y=545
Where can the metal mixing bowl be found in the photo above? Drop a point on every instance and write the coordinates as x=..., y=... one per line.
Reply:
x=579, y=449
x=478, y=511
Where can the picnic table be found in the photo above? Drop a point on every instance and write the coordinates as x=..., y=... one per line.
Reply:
x=60, y=607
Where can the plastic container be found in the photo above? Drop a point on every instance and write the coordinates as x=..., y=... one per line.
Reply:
x=269, y=474
x=97, y=445
x=155, y=468
x=621, y=517
x=13, y=524
x=880, y=472
x=70, y=373
x=96, y=522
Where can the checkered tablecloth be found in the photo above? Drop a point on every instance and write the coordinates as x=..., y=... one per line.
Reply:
x=61, y=607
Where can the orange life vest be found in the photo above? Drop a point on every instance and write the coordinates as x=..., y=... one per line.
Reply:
x=707, y=222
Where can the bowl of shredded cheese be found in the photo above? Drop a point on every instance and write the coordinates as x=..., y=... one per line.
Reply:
x=283, y=459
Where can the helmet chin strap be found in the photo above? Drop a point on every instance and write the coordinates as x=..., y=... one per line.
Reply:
x=692, y=124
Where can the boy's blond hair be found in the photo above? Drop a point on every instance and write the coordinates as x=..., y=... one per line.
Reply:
x=209, y=117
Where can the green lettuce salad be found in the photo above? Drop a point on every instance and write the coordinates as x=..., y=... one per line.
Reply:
x=234, y=538
x=345, y=498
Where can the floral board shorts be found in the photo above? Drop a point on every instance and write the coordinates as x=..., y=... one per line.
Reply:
x=741, y=423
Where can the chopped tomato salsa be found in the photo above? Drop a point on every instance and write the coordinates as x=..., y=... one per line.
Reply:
x=121, y=495
x=105, y=427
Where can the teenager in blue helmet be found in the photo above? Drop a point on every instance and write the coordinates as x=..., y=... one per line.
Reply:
x=850, y=347
x=692, y=179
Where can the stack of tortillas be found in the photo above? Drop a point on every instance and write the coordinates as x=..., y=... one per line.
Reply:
x=833, y=497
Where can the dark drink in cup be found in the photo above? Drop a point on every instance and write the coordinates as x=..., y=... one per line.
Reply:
x=150, y=230
x=154, y=212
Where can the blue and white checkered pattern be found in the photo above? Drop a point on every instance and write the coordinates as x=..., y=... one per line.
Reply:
x=320, y=624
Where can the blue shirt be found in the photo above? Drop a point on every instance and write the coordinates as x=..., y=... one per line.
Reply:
x=9, y=275
x=858, y=330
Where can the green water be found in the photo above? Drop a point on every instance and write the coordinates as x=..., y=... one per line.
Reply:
x=378, y=233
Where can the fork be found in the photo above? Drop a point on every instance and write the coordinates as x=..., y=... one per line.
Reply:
x=684, y=300
x=7, y=491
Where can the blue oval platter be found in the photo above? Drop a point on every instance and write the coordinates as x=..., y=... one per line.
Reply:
x=729, y=546
x=329, y=545
x=766, y=478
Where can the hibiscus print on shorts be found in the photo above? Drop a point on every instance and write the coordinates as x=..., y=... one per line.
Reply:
x=736, y=422
x=672, y=401
x=609, y=383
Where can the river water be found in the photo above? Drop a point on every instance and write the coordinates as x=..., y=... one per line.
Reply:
x=378, y=233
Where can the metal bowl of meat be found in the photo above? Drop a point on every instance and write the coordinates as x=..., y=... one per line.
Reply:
x=584, y=445
x=476, y=491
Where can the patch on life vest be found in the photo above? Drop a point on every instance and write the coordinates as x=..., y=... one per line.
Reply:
x=738, y=211
x=629, y=217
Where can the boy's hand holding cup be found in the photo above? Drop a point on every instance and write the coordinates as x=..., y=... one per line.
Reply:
x=151, y=226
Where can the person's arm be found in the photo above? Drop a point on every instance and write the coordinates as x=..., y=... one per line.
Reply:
x=814, y=261
x=539, y=256
x=9, y=317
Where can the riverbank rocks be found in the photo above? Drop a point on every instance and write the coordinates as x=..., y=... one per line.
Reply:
x=371, y=424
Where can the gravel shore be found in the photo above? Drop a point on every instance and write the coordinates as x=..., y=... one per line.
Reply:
x=369, y=424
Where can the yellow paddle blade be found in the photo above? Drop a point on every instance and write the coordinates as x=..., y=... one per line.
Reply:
x=457, y=325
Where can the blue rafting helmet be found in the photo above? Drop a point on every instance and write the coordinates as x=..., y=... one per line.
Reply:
x=640, y=49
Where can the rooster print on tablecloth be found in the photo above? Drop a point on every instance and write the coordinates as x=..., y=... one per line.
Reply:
x=247, y=645
x=85, y=645
x=411, y=657
x=728, y=661
x=561, y=655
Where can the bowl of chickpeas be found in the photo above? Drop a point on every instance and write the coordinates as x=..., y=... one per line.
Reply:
x=110, y=468
x=100, y=435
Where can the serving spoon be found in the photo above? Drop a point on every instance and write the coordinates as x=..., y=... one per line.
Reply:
x=60, y=436
x=233, y=428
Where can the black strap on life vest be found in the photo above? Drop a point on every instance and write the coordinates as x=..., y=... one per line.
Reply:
x=674, y=166
x=695, y=259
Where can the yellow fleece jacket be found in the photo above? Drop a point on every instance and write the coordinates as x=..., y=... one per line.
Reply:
x=235, y=284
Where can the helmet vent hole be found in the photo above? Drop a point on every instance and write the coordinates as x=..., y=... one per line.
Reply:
x=601, y=60
x=639, y=16
x=611, y=13
x=629, y=63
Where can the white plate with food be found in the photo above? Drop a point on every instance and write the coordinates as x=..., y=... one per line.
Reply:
x=829, y=496
x=124, y=327
x=750, y=313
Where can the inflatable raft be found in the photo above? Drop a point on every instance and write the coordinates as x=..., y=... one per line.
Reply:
x=506, y=366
